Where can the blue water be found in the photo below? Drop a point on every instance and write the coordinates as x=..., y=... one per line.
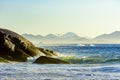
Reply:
x=91, y=53
x=91, y=62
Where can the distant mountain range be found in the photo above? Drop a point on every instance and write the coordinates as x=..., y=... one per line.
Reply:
x=68, y=37
x=113, y=37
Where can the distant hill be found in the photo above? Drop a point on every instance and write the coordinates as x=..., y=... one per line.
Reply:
x=67, y=37
x=73, y=37
x=32, y=36
x=51, y=36
x=114, y=37
x=70, y=35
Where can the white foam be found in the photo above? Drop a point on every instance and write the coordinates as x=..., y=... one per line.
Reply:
x=25, y=71
x=80, y=44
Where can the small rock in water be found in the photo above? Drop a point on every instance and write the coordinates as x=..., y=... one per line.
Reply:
x=49, y=60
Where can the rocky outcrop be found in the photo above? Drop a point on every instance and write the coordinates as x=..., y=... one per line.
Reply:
x=49, y=60
x=14, y=47
x=48, y=53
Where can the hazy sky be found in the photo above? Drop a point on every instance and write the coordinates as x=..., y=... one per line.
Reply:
x=84, y=17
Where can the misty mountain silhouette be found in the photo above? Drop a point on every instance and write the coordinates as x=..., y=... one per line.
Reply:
x=51, y=36
x=72, y=37
x=112, y=36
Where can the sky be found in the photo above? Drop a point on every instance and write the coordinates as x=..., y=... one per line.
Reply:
x=83, y=17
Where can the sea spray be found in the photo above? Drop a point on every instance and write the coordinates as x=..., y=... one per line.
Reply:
x=32, y=59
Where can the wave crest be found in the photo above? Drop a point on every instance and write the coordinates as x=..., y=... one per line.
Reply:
x=88, y=60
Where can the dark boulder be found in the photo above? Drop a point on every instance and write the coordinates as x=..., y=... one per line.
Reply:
x=49, y=60
x=48, y=53
x=14, y=47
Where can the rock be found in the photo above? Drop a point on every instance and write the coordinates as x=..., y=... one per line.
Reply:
x=48, y=53
x=3, y=60
x=49, y=60
x=14, y=47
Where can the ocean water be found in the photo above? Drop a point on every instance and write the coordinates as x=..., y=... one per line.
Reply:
x=91, y=62
x=88, y=53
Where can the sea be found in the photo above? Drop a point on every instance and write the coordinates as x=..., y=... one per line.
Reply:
x=88, y=62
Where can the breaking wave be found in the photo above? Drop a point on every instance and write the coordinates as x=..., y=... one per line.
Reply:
x=89, y=60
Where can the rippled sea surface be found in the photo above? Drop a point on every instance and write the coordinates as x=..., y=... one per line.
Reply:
x=28, y=71
x=91, y=62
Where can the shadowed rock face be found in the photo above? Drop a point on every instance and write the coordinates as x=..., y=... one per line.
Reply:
x=49, y=60
x=14, y=47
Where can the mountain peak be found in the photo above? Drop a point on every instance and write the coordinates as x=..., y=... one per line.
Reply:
x=70, y=35
x=116, y=32
x=50, y=36
x=112, y=36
